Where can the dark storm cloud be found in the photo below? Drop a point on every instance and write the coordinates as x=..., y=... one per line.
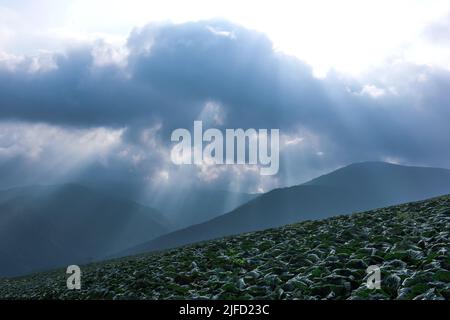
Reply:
x=230, y=64
x=174, y=70
x=75, y=93
x=399, y=112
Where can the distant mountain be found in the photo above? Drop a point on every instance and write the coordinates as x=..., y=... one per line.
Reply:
x=195, y=206
x=391, y=179
x=43, y=227
x=357, y=187
x=181, y=206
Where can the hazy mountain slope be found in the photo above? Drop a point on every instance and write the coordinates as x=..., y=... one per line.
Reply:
x=325, y=259
x=393, y=181
x=357, y=187
x=44, y=227
x=195, y=206
x=182, y=206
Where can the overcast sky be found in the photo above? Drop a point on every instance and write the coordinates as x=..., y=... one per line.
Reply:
x=92, y=89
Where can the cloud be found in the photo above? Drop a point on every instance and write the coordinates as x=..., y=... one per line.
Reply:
x=439, y=31
x=373, y=91
x=33, y=153
x=169, y=75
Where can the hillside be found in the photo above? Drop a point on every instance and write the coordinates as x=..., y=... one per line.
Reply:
x=182, y=205
x=391, y=179
x=308, y=260
x=355, y=188
x=44, y=227
x=189, y=207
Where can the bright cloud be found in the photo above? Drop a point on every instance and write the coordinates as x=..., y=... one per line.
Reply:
x=348, y=35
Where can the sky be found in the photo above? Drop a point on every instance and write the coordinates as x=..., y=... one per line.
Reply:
x=360, y=34
x=92, y=89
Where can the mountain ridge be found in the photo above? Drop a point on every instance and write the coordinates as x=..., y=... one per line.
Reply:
x=42, y=227
x=313, y=200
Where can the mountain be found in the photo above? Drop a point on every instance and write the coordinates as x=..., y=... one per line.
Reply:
x=198, y=205
x=310, y=260
x=43, y=227
x=393, y=181
x=182, y=206
x=357, y=187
